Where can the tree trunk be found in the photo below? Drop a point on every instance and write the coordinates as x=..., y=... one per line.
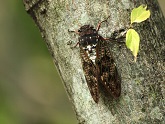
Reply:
x=142, y=96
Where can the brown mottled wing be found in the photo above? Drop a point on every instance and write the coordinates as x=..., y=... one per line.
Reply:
x=109, y=76
x=90, y=74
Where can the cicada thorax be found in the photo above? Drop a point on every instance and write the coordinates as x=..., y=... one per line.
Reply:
x=88, y=40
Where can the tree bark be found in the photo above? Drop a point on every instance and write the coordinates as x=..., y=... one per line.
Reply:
x=142, y=96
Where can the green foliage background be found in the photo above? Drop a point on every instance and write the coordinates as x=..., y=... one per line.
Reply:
x=31, y=91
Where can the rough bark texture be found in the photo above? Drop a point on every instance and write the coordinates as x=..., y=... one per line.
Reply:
x=142, y=97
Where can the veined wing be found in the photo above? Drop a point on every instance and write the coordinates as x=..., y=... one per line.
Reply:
x=109, y=76
x=90, y=75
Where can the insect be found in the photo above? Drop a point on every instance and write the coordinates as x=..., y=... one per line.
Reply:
x=97, y=62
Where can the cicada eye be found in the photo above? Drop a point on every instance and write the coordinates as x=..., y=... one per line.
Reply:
x=79, y=30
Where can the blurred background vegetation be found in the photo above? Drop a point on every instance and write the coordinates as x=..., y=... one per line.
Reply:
x=31, y=91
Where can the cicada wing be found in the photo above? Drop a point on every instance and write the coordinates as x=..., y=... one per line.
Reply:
x=109, y=76
x=90, y=72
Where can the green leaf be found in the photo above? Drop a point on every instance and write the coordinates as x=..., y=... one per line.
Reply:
x=132, y=41
x=139, y=14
